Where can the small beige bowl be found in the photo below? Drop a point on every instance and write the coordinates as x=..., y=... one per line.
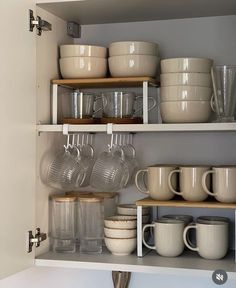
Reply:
x=83, y=50
x=133, y=47
x=83, y=67
x=199, y=65
x=121, y=222
x=185, y=111
x=133, y=65
x=131, y=209
x=190, y=79
x=120, y=233
x=121, y=247
x=185, y=93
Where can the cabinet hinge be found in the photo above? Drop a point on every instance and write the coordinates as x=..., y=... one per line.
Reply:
x=40, y=24
x=37, y=239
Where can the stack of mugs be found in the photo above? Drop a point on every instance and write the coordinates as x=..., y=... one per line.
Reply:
x=194, y=182
x=212, y=236
x=186, y=90
x=133, y=59
x=83, y=61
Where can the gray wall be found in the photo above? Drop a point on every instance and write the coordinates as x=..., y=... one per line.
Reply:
x=206, y=37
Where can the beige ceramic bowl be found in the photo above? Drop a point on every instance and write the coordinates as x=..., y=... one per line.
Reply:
x=120, y=233
x=121, y=222
x=121, y=247
x=131, y=209
x=173, y=65
x=82, y=50
x=190, y=79
x=185, y=111
x=185, y=93
x=133, y=65
x=83, y=67
x=133, y=47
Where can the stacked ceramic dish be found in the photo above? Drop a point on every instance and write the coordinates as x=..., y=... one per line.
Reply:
x=186, y=90
x=120, y=234
x=131, y=210
x=83, y=61
x=133, y=59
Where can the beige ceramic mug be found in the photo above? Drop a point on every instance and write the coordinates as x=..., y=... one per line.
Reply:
x=224, y=183
x=157, y=182
x=211, y=237
x=190, y=178
x=168, y=237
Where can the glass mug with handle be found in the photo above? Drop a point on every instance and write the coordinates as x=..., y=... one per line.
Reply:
x=83, y=104
x=121, y=104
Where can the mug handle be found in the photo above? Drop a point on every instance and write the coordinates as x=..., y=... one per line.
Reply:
x=144, y=241
x=204, y=176
x=153, y=105
x=187, y=242
x=136, y=181
x=100, y=108
x=212, y=103
x=170, y=184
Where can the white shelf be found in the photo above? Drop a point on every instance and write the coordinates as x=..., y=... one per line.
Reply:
x=187, y=264
x=195, y=127
x=103, y=11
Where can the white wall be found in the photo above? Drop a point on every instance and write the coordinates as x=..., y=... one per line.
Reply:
x=207, y=37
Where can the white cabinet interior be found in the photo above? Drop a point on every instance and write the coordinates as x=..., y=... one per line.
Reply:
x=189, y=37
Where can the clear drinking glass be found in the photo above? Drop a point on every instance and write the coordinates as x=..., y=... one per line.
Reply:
x=62, y=223
x=91, y=224
x=82, y=104
x=224, y=86
x=110, y=202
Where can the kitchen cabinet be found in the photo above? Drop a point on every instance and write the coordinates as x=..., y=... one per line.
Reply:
x=27, y=132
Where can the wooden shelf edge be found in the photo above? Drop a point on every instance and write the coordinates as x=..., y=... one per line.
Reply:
x=105, y=82
x=182, y=203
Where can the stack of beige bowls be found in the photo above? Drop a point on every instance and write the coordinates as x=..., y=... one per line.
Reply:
x=83, y=61
x=121, y=230
x=186, y=90
x=133, y=59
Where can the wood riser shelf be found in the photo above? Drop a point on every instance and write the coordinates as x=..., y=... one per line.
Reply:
x=182, y=203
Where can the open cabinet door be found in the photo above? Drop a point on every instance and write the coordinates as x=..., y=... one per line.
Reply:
x=18, y=135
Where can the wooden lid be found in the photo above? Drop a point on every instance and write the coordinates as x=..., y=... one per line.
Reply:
x=88, y=198
x=79, y=193
x=62, y=198
x=106, y=194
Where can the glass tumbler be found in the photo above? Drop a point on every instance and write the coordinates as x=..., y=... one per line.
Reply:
x=224, y=85
x=91, y=224
x=62, y=223
x=110, y=202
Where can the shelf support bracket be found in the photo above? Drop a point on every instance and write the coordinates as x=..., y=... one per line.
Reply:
x=54, y=103
x=65, y=129
x=139, y=232
x=145, y=102
x=109, y=128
